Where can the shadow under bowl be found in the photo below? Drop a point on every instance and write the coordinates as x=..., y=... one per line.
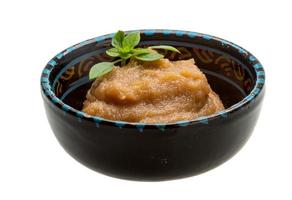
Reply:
x=154, y=152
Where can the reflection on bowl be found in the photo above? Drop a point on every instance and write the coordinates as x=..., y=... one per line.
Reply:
x=155, y=151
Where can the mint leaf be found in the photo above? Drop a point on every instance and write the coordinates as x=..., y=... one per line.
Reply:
x=113, y=52
x=149, y=56
x=100, y=69
x=165, y=47
x=124, y=48
x=118, y=38
x=131, y=40
x=138, y=51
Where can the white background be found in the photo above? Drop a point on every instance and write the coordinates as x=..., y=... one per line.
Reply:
x=34, y=166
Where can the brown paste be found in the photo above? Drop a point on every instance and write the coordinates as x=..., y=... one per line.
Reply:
x=152, y=92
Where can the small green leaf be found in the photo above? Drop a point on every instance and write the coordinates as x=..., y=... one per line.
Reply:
x=165, y=47
x=131, y=40
x=118, y=38
x=100, y=69
x=149, y=56
x=113, y=52
x=139, y=51
x=124, y=51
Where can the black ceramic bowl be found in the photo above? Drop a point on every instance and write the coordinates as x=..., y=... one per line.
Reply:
x=155, y=151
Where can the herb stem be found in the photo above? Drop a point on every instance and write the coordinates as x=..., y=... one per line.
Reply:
x=119, y=60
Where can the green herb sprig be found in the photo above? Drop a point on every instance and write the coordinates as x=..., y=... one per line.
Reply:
x=124, y=49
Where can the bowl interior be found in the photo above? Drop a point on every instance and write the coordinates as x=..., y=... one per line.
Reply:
x=228, y=69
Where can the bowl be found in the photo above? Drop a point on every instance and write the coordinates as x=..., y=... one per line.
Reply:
x=155, y=152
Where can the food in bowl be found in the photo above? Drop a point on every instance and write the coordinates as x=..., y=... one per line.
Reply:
x=155, y=90
x=155, y=152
